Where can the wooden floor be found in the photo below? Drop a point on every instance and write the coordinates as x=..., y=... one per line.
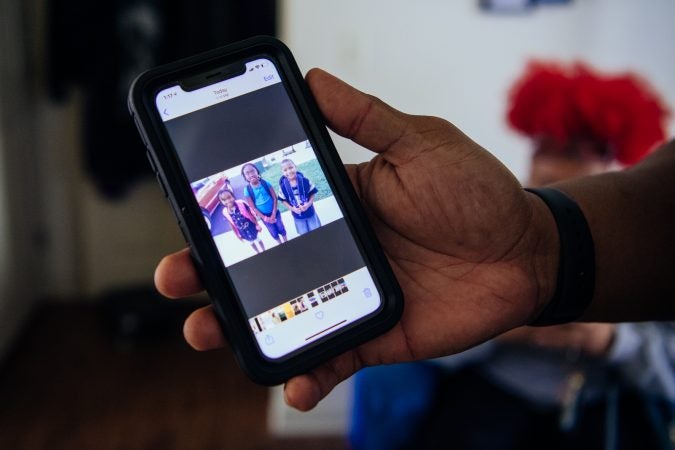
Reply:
x=74, y=383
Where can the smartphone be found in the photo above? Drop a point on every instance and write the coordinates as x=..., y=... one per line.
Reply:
x=272, y=221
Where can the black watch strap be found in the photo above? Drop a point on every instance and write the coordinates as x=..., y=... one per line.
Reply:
x=576, y=269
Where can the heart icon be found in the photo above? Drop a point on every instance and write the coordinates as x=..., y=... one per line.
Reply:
x=319, y=315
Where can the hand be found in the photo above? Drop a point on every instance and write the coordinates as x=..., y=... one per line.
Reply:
x=475, y=254
x=592, y=339
x=296, y=209
x=258, y=227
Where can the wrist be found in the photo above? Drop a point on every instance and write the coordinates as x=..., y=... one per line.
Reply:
x=575, y=279
x=545, y=254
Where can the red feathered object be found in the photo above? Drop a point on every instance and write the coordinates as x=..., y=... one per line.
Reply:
x=621, y=116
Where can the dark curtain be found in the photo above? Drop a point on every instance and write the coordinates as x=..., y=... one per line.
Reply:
x=99, y=47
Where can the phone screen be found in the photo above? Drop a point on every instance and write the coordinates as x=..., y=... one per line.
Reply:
x=270, y=209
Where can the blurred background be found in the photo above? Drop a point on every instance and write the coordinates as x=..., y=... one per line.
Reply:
x=90, y=356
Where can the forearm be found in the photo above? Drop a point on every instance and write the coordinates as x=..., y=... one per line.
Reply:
x=631, y=215
x=251, y=206
x=275, y=202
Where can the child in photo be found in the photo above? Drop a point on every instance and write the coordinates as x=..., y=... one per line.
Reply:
x=297, y=193
x=244, y=224
x=262, y=200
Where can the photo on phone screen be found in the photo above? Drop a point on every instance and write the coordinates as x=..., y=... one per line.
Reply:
x=265, y=202
x=271, y=210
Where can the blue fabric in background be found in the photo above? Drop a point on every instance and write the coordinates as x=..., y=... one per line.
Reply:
x=389, y=404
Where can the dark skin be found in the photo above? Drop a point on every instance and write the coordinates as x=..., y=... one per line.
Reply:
x=475, y=255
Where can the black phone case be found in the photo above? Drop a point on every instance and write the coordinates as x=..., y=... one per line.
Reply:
x=213, y=274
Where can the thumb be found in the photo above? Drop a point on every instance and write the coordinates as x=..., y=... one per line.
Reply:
x=365, y=119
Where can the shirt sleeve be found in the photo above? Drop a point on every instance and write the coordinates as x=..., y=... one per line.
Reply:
x=280, y=195
x=644, y=354
x=312, y=189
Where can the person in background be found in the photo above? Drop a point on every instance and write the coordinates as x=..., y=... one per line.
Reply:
x=579, y=385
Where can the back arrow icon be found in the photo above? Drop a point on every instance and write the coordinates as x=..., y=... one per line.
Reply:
x=165, y=113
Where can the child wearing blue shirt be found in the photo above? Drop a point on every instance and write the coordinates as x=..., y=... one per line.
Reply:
x=262, y=200
x=297, y=193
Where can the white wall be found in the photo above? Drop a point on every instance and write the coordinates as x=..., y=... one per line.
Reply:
x=637, y=36
x=452, y=60
x=95, y=244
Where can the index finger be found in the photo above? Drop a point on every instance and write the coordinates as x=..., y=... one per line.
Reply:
x=176, y=275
